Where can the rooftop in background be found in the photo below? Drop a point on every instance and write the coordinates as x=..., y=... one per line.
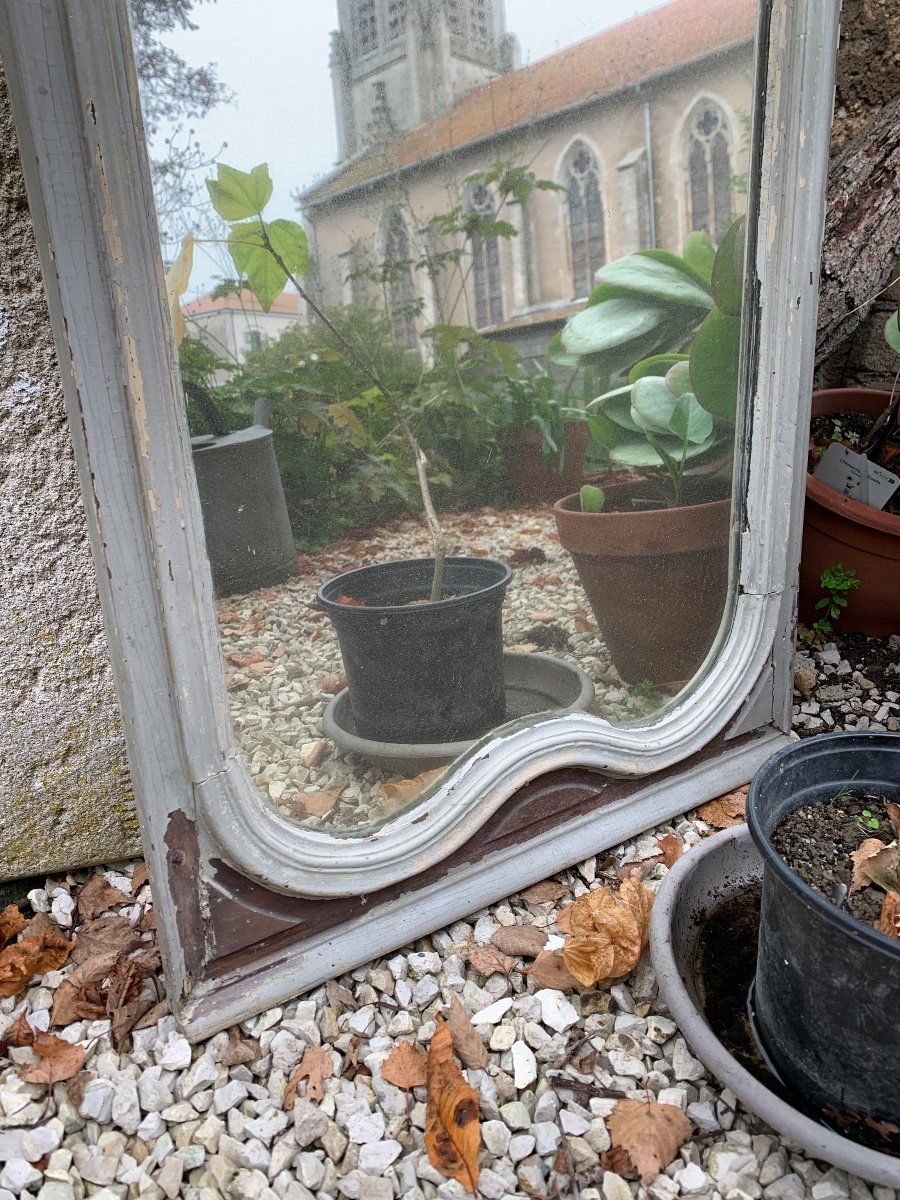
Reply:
x=243, y=301
x=636, y=50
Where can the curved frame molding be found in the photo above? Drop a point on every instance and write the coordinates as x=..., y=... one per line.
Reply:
x=76, y=107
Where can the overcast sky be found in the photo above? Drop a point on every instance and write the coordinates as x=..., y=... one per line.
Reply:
x=273, y=55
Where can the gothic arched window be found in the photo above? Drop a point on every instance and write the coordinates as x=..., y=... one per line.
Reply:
x=709, y=169
x=401, y=292
x=486, y=278
x=365, y=26
x=585, y=203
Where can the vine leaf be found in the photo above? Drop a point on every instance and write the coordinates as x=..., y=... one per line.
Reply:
x=452, y=1130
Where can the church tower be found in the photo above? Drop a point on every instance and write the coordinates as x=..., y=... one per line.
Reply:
x=397, y=63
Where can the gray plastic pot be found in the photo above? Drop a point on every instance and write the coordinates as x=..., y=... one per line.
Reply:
x=700, y=881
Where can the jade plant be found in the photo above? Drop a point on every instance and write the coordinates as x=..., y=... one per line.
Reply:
x=668, y=326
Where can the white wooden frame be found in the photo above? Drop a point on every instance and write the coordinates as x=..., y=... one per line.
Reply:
x=75, y=102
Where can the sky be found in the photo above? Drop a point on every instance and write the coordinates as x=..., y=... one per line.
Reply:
x=273, y=55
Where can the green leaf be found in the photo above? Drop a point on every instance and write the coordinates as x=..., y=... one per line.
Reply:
x=256, y=248
x=656, y=364
x=592, y=498
x=642, y=454
x=699, y=252
x=728, y=270
x=652, y=404
x=657, y=276
x=237, y=195
x=616, y=407
x=690, y=422
x=608, y=325
x=715, y=358
x=678, y=377
x=892, y=332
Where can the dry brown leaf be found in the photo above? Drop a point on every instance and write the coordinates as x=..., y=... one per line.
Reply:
x=405, y=1067
x=452, y=1131
x=74, y=1003
x=154, y=1014
x=672, y=848
x=725, y=811
x=59, y=1060
x=31, y=956
x=405, y=790
x=124, y=1018
x=889, y=920
x=893, y=812
x=20, y=1032
x=650, y=1133
x=315, y=1067
x=488, y=960
x=239, y=1050
x=544, y=893
x=549, y=970
x=873, y=861
x=525, y=940
x=609, y=932
x=320, y=804
x=139, y=877
x=98, y=895
x=11, y=924
x=564, y=919
x=99, y=944
x=640, y=900
x=466, y=1042
x=617, y=1160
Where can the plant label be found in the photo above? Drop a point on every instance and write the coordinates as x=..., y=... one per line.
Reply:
x=851, y=474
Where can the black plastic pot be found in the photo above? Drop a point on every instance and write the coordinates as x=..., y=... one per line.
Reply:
x=422, y=672
x=827, y=988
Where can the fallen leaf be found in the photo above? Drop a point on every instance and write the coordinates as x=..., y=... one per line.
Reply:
x=544, y=893
x=239, y=1050
x=20, y=1032
x=126, y=1016
x=405, y=790
x=672, y=848
x=342, y=599
x=315, y=1067
x=59, y=1060
x=74, y=1003
x=651, y=1134
x=618, y=1160
x=98, y=895
x=725, y=811
x=452, y=1131
x=156, y=1013
x=487, y=960
x=893, y=812
x=526, y=556
x=350, y=1065
x=31, y=956
x=525, y=940
x=872, y=862
x=549, y=970
x=564, y=919
x=139, y=878
x=320, y=804
x=11, y=923
x=609, y=932
x=405, y=1067
x=466, y=1042
x=889, y=921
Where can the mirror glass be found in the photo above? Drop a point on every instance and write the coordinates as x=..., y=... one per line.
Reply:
x=520, y=280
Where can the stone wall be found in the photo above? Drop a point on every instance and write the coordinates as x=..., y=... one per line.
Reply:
x=65, y=794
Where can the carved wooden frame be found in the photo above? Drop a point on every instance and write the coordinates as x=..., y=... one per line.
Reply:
x=75, y=101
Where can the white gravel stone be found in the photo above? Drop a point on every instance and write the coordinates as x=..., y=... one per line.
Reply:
x=376, y=1157
x=365, y=1127
x=615, y=1187
x=496, y=1136
x=691, y=1179
x=556, y=1011
x=175, y=1055
x=546, y=1137
x=685, y=1066
x=520, y=1146
x=493, y=1013
x=515, y=1115
x=18, y=1175
x=524, y=1066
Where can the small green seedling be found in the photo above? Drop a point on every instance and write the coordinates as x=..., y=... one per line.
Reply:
x=592, y=498
x=835, y=581
x=644, y=689
x=867, y=820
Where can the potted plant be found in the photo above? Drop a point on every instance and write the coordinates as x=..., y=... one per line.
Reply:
x=421, y=640
x=837, y=527
x=652, y=552
x=825, y=816
x=541, y=434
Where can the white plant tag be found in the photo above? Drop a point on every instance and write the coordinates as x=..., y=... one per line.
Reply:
x=853, y=475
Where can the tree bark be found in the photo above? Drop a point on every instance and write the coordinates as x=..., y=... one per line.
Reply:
x=862, y=229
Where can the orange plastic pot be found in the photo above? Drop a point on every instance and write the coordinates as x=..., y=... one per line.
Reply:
x=656, y=579
x=837, y=529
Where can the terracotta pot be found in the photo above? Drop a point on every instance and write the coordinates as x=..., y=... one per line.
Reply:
x=656, y=579
x=532, y=481
x=837, y=529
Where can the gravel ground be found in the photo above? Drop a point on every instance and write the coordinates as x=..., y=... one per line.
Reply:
x=147, y=1115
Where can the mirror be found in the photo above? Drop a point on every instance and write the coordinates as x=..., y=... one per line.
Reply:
x=530, y=259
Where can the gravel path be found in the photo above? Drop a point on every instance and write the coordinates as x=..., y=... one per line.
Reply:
x=147, y=1115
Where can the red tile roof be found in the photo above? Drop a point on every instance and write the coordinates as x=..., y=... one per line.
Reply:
x=646, y=45
x=287, y=302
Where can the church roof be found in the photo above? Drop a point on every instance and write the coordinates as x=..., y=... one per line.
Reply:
x=647, y=45
x=245, y=301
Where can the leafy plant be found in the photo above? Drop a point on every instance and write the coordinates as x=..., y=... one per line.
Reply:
x=868, y=820
x=533, y=397
x=836, y=582
x=671, y=325
x=592, y=498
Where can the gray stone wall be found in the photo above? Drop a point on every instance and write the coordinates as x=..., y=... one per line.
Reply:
x=65, y=794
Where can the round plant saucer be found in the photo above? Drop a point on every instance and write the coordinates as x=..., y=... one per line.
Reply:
x=535, y=683
x=717, y=871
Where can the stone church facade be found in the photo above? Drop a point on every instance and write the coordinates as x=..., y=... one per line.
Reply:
x=644, y=127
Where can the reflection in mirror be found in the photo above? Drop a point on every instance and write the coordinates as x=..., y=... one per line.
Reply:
x=516, y=298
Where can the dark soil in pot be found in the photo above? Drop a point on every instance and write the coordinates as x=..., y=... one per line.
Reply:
x=817, y=841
